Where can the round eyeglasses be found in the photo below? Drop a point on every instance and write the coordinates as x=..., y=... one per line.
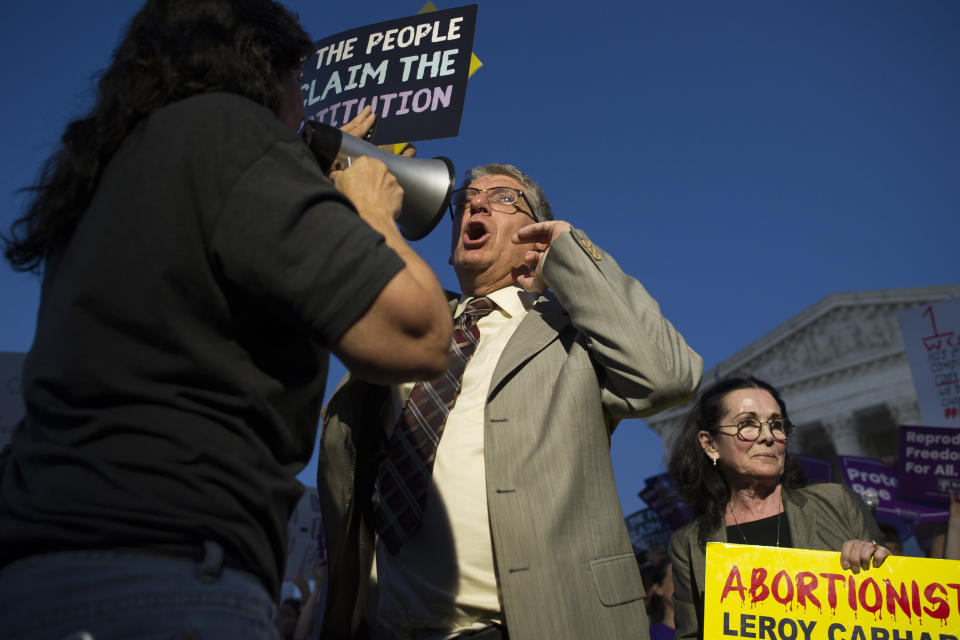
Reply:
x=502, y=199
x=749, y=429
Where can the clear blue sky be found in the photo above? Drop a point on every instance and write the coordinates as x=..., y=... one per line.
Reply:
x=742, y=159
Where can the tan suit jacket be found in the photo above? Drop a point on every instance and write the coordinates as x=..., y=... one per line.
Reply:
x=593, y=351
x=821, y=517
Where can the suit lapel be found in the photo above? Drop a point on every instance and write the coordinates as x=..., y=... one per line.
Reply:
x=699, y=555
x=541, y=326
x=801, y=519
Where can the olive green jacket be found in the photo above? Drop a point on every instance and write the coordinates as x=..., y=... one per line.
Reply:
x=821, y=517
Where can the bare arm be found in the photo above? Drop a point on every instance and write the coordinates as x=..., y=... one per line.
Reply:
x=310, y=598
x=405, y=333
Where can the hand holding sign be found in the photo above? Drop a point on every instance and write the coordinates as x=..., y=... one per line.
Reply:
x=862, y=554
x=762, y=592
x=362, y=126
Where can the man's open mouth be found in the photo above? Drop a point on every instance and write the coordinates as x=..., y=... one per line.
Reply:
x=475, y=235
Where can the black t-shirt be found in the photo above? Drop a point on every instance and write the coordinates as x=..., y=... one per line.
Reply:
x=773, y=531
x=175, y=382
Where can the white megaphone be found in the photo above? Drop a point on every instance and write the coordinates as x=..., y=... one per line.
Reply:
x=427, y=183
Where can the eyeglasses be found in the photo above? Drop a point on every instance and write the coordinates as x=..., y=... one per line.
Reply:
x=502, y=199
x=749, y=429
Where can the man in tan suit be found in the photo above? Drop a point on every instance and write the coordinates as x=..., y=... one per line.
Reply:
x=522, y=531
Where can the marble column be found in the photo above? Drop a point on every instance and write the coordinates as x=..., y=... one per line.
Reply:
x=842, y=428
x=905, y=410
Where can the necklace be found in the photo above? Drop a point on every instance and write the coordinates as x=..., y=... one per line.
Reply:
x=741, y=530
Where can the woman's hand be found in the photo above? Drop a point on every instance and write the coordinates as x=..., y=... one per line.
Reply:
x=858, y=554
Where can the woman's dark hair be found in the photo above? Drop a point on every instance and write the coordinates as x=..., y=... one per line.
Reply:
x=699, y=484
x=172, y=49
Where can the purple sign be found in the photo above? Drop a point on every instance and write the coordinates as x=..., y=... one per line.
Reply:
x=647, y=530
x=816, y=469
x=660, y=495
x=877, y=484
x=929, y=463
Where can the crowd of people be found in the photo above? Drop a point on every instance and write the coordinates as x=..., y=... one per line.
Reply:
x=198, y=269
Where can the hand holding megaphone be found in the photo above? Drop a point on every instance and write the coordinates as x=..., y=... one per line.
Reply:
x=374, y=191
x=427, y=183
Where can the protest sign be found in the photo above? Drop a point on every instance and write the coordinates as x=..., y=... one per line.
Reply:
x=928, y=467
x=647, y=530
x=660, y=495
x=305, y=542
x=791, y=594
x=816, y=469
x=411, y=71
x=866, y=474
x=931, y=335
x=11, y=398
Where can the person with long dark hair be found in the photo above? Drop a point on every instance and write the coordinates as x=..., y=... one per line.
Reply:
x=198, y=269
x=730, y=464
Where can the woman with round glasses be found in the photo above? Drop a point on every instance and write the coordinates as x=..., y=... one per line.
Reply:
x=731, y=467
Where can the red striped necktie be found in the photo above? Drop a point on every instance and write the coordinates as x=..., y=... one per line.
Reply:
x=400, y=491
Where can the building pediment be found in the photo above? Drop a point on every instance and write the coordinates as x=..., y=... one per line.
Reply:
x=832, y=340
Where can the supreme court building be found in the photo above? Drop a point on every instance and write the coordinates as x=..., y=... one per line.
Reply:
x=842, y=370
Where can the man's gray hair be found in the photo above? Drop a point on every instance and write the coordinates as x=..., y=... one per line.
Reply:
x=531, y=190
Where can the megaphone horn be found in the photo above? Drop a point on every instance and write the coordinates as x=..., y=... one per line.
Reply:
x=427, y=183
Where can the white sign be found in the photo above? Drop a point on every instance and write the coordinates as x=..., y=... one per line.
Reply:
x=11, y=394
x=931, y=335
x=305, y=544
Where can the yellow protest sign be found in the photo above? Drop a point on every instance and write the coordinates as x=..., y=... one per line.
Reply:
x=795, y=594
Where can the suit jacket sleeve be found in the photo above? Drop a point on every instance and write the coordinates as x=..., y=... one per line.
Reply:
x=828, y=515
x=645, y=364
x=864, y=524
